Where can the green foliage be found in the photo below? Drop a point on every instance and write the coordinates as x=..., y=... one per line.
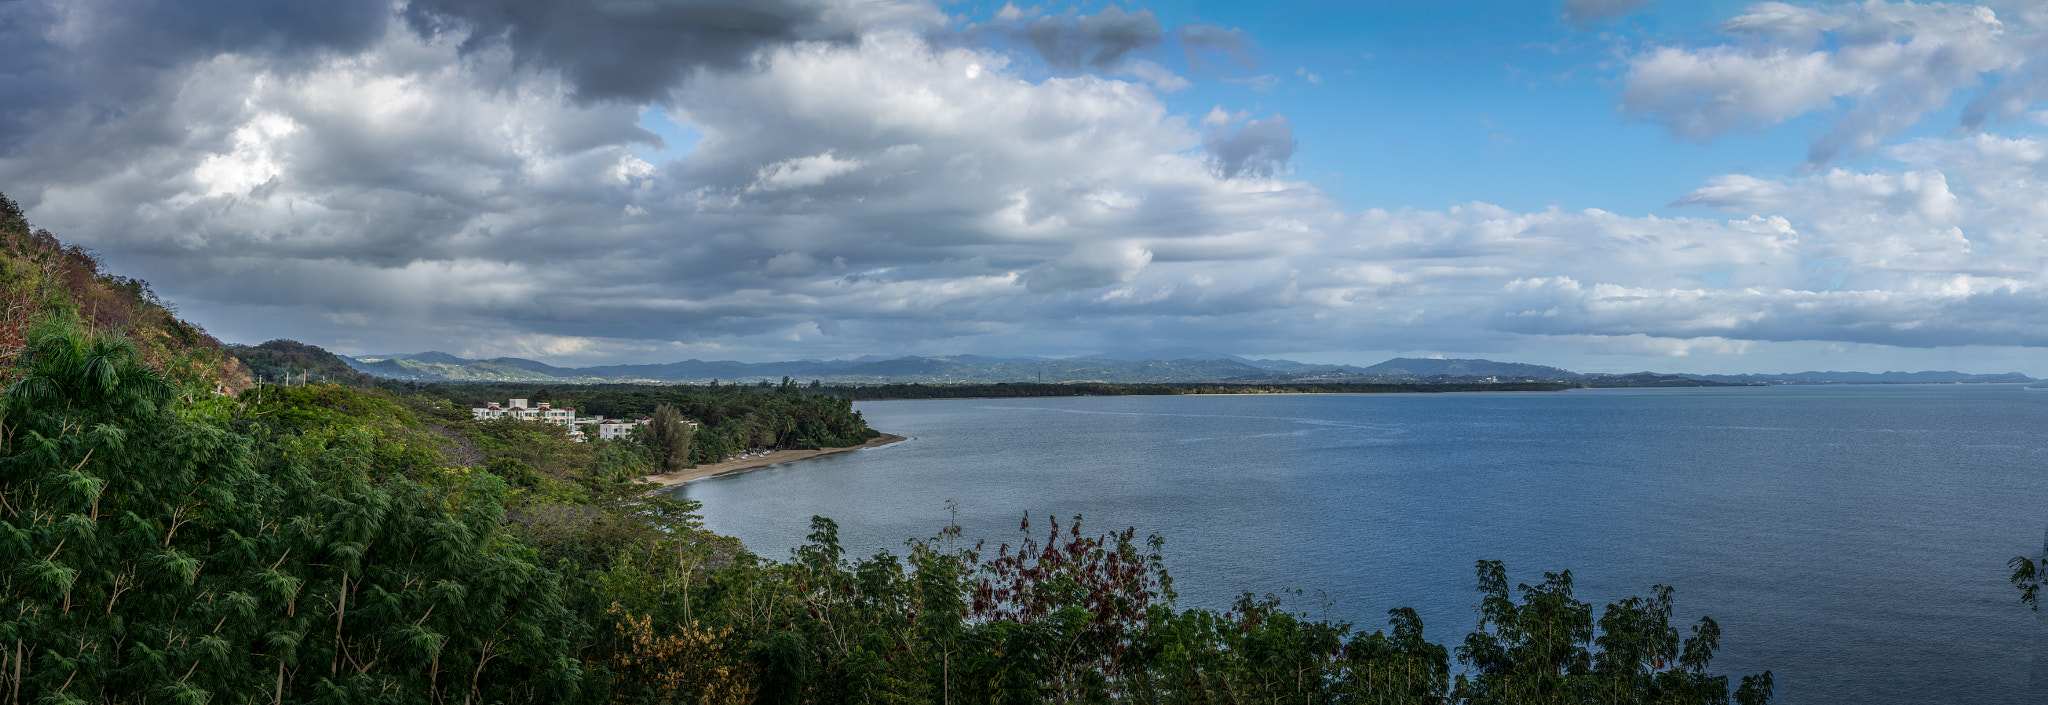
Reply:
x=1079, y=618
x=153, y=552
x=669, y=437
x=1536, y=651
x=2028, y=573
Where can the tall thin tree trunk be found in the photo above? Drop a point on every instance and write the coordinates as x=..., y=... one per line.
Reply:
x=340, y=610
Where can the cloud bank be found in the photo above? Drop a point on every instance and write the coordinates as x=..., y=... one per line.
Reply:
x=873, y=178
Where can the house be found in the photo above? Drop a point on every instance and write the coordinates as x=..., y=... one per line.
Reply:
x=618, y=429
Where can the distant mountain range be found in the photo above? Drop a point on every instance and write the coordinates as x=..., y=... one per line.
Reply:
x=436, y=366
x=1156, y=366
x=1434, y=367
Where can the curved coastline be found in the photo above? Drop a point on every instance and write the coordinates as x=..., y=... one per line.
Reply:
x=670, y=479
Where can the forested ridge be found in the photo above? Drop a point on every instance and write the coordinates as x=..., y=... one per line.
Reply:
x=166, y=539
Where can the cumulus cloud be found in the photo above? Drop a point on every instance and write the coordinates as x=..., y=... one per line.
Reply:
x=1884, y=65
x=395, y=185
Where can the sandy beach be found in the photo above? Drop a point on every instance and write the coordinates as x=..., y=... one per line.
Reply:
x=772, y=458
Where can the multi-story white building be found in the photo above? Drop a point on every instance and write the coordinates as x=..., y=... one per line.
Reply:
x=617, y=429
x=517, y=409
x=607, y=429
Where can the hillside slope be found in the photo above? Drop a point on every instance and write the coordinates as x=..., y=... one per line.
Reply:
x=45, y=282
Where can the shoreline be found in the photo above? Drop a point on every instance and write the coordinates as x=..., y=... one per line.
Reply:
x=777, y=457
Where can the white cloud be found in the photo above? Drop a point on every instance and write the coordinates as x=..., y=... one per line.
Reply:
x=801, y=172
x=889, y=193
x=1161, y=78
x=1887, y=65
x=1088, y=266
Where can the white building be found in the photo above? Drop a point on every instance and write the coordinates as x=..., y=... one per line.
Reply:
x=618, y=429
x=517, y=409
x=607, y=429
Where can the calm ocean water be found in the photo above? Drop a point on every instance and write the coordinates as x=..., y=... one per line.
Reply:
x=1851, y=539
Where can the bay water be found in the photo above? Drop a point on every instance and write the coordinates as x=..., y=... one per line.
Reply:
x=1852, y=539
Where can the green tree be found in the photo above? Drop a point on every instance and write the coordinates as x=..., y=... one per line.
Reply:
x=1537, y=650
x=670, y=435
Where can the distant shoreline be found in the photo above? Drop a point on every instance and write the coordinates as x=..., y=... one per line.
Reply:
x=1028, y=390
x=774, y=457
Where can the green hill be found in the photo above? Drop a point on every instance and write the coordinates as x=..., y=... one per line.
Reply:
x=288, y=360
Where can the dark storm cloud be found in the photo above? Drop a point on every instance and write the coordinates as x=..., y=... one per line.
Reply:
x=162, y=32
x=97, y=60
x=32, y=91
x=1256, y=148
x=1072, y=42
x=633, y=50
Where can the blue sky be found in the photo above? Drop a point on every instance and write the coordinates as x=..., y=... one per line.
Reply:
x=1603, y=185
x=1430, y=104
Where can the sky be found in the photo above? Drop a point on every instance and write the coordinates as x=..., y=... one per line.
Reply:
x=1601, y=185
